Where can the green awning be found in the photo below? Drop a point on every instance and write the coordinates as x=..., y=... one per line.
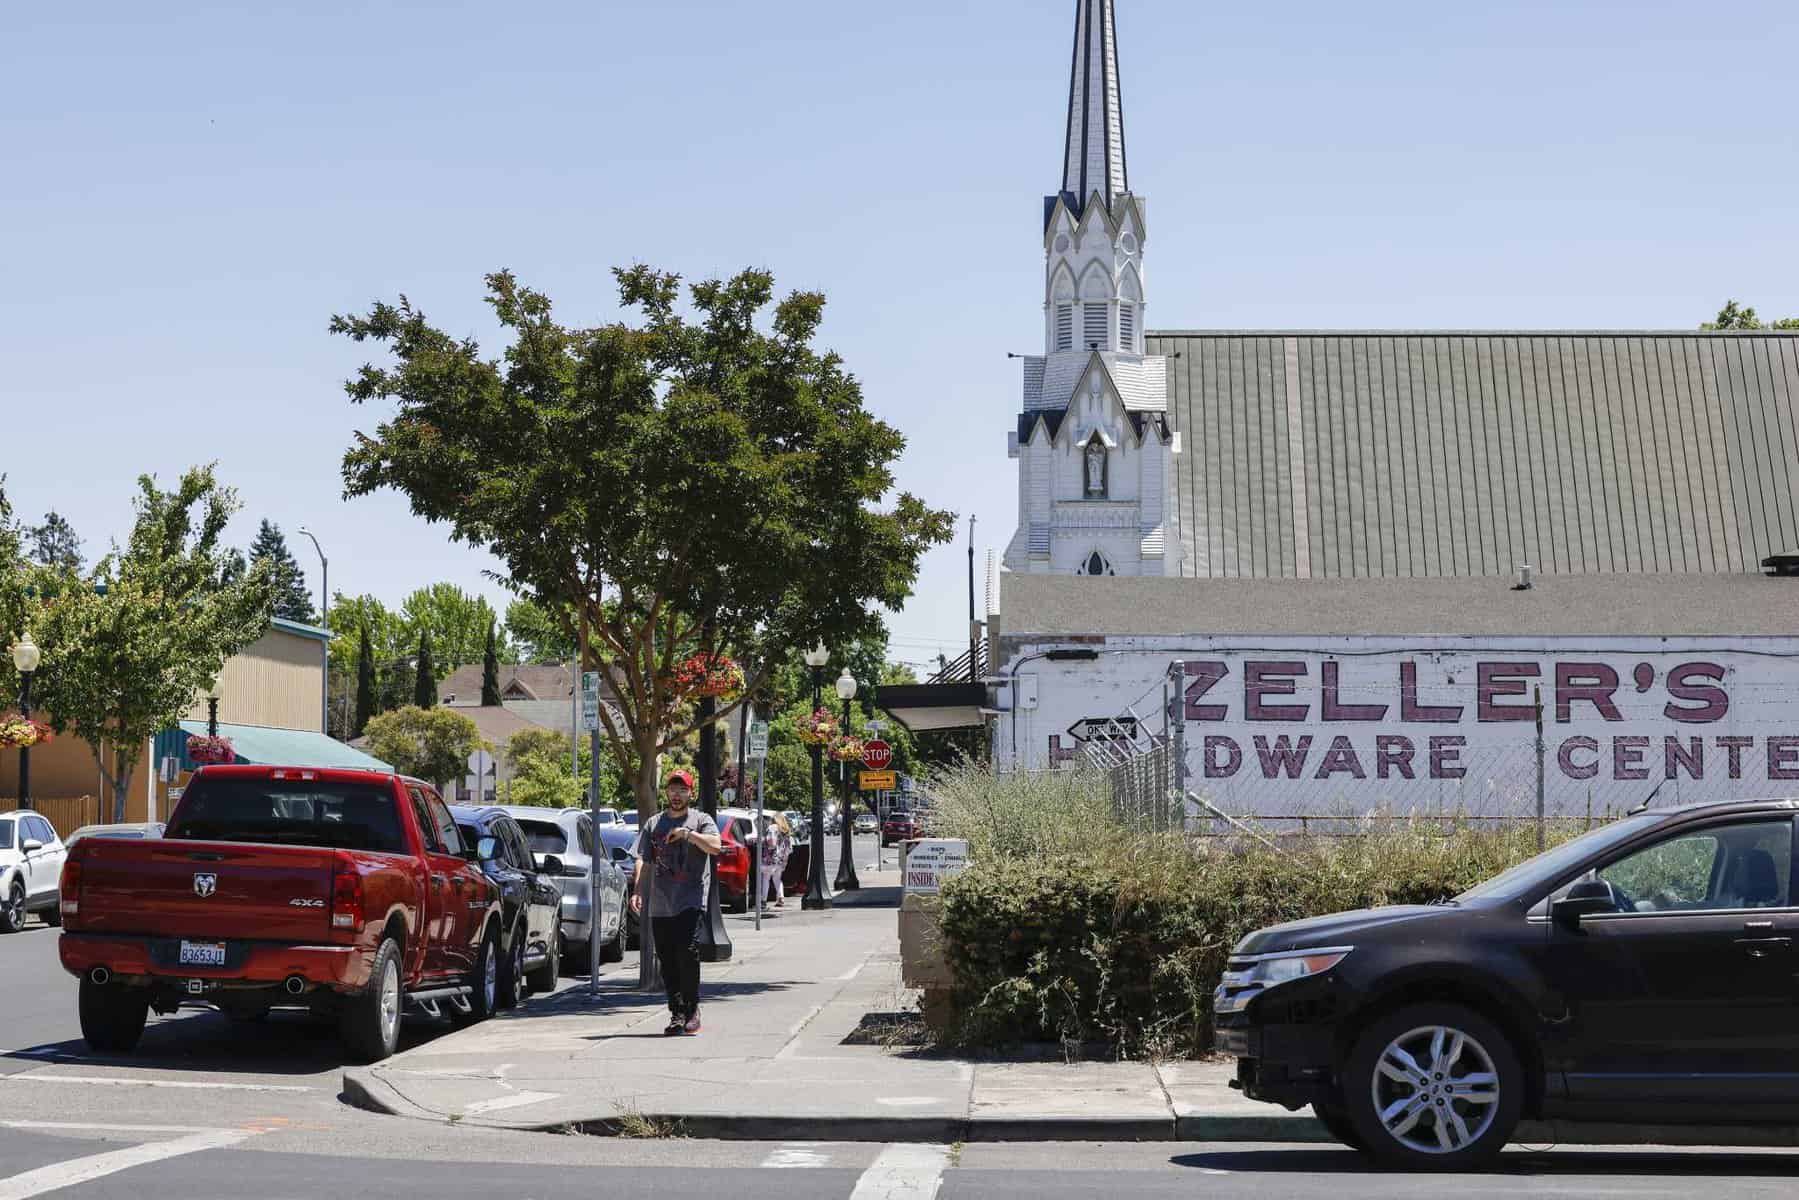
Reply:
x=288, y=748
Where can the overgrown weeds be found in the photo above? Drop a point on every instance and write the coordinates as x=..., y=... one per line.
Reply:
x=1069, y=927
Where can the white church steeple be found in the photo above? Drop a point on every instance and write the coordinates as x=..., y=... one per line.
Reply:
x=1095, y=160
x=1094, y=448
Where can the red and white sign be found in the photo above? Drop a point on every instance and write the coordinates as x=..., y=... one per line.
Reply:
x=877, y=755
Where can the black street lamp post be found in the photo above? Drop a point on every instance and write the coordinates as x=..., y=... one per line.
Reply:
x=25, y=657
x=846, y=858
x=818, y=894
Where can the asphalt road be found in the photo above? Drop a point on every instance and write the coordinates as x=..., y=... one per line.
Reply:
x=208, y=1108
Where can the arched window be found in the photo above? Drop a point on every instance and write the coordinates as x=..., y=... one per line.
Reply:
x=1096, y=564
x=1095, y=469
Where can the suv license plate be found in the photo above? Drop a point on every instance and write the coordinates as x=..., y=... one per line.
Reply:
x=202, y=954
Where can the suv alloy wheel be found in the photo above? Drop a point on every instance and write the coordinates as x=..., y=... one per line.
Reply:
x=1433, y=1087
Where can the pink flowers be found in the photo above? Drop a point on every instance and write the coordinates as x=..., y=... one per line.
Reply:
x=847, y=748
x=17, y=732
x=819, y=729
x=204, y=750
x=708, y=675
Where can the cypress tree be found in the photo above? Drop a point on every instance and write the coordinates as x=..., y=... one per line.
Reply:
x=490, y=672
x=365, y=684
x=424, y=686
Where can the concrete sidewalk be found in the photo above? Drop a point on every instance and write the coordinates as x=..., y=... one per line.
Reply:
x=773, y=1062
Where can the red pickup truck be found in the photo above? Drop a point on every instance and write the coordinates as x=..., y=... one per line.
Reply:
x=347, y=893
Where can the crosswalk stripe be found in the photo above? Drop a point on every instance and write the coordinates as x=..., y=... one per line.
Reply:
x=98, y=1166
x=904, y=1172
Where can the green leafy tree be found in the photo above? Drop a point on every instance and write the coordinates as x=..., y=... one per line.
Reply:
x=55, y=544
x=424, y=679
x=676, y=485
x=457, y=621
x=1736, y=317
x=539, y=634
x=13, y=582
x=490, y=672
x=292, y=599
x=131, y=645
x=539, y=759
x=432, y=744
x=365, y=684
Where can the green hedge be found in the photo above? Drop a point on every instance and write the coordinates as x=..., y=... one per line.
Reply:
x=1122, y=940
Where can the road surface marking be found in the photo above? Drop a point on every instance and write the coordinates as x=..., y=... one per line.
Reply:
x=904, y=1172
x=516, y=1100
x=186, y=1084
x=96, y=1127
x=796, y=1155
x=793, y=1033
x=97, y=1166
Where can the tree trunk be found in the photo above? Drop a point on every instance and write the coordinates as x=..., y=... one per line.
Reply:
x=649, y=971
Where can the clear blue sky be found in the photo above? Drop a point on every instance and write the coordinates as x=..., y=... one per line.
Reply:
x=194, y=188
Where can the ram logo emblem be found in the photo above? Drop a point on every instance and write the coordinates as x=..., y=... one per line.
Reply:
x=205, y=884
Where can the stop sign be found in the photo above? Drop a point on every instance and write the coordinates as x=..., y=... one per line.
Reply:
x=877, y=755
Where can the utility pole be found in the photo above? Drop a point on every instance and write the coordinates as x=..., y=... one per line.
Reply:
x=1542, y=748
x=974, y=626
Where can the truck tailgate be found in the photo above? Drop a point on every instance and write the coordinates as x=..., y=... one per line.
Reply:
x=212, y=890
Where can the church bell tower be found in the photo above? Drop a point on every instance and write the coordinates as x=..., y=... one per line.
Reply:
x=1093, y=444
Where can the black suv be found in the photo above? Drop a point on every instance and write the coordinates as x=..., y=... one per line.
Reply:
x=1645, y=971
x=530, y=901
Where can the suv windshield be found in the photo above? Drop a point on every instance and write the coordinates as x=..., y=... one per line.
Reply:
x=290, y=812
x=1546, y=868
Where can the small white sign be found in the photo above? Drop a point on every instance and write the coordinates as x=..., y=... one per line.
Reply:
x=931, y=862
x=758, y=739
x=590, y=701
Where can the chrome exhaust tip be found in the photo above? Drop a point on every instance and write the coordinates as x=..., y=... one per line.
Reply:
x=295, y=985
x=99, y=976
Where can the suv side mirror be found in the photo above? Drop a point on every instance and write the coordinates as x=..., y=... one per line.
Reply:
x=550, y=865
x=1585, y=898
x=30, y=846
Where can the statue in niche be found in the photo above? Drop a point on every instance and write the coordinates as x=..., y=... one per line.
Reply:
x=1096, y=469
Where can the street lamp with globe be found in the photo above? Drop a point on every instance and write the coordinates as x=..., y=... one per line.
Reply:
x=818, y=895
x=213, y=694
x=25, y=658
x=846, y=859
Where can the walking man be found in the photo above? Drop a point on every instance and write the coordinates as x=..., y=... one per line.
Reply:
x=672, y=853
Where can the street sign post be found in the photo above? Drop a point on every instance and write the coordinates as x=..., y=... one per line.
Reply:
x=590, y=701
x=758, y=739
x=877, y=755
x=879, y=781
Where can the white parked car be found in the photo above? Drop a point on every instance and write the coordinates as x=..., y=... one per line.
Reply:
x=31, y=858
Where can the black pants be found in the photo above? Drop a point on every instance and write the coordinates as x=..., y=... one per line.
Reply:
x=680, y=961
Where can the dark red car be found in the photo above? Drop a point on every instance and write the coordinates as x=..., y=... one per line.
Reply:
x=350, y=894
x=902, y=824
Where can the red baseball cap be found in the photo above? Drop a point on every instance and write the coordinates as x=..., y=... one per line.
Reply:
x=682, y=774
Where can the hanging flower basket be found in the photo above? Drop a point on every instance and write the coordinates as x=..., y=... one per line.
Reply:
x=847, y=748
x=709, y=675
x=819, y=729
x=209, y=751
x=18, y=732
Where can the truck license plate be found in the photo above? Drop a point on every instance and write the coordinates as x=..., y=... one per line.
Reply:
x=202, y=954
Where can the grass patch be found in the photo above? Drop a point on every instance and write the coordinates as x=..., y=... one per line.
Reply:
x=629, y=1123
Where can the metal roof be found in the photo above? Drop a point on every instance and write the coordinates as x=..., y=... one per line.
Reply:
x=1676, y=606
x=1419, y=454
x=263, y=746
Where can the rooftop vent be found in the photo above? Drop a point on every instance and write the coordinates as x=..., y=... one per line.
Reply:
x=1527, y=578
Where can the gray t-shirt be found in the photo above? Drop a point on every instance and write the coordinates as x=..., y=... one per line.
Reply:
x=677, y=870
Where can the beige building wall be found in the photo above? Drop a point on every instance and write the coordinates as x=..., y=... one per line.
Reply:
x=275, y=682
